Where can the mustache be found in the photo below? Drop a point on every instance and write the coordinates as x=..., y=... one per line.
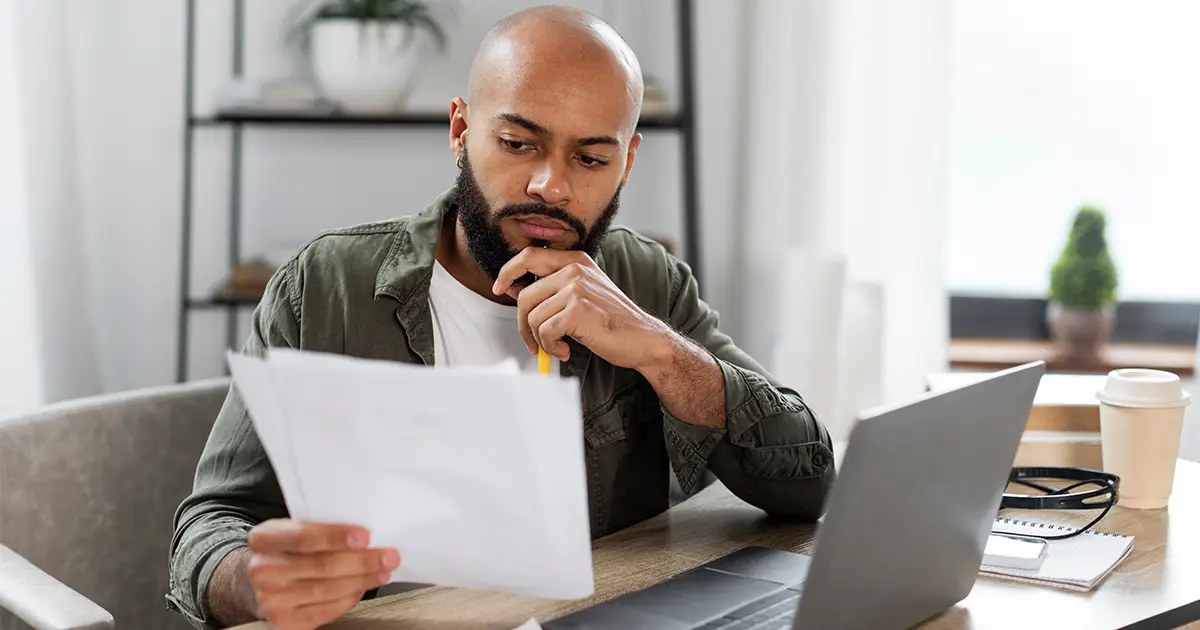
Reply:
x=528, y=209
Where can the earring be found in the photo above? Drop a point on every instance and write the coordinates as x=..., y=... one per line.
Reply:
x=461, y=162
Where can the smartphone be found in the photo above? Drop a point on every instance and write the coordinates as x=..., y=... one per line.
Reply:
x=1017, y=552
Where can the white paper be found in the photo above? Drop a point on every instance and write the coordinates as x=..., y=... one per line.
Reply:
x=476, y=475
x=532, y=624
x=253, y=382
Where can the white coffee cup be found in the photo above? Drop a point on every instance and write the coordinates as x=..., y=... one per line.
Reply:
x=1141, y=419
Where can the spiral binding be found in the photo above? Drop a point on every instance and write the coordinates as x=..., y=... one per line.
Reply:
x=1051, y=526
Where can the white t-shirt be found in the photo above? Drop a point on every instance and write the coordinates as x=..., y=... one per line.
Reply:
x=469, y=329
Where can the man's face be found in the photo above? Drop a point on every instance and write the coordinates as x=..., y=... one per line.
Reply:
x=536, y=224
x=546, y=149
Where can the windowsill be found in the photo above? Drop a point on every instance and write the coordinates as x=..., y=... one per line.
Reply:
x=998, y=354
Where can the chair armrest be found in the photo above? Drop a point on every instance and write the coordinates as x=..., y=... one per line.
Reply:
x=42, y=601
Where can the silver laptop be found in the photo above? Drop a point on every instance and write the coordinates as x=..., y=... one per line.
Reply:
x=901, y=540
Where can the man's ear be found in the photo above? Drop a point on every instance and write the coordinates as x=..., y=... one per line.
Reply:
x=458, y=126
x=630, y=155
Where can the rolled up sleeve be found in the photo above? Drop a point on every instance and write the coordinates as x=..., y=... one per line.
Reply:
x=773, y=452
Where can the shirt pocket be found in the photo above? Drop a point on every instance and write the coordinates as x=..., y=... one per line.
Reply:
x=627, y=465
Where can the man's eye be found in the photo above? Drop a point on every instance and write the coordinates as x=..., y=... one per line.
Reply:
x=591, y=161
x=515, y=145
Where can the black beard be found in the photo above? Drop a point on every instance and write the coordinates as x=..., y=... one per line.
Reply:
x=485, y=240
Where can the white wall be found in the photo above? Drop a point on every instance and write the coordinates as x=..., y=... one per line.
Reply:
x=300, y=181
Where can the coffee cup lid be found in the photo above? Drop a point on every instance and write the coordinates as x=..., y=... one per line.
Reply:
x=1143, y=388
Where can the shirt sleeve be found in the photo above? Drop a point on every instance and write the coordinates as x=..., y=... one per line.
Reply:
x=235, y=486
x=773, y=452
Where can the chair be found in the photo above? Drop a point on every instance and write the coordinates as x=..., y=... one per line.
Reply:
x=88, y=490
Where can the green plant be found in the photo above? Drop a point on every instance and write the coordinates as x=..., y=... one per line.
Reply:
x=1084, y=276
x=414, y=13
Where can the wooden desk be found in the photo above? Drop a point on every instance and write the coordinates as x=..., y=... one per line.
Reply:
x=1158, y=586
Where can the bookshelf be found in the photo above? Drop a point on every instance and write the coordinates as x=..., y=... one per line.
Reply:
x=682, y=122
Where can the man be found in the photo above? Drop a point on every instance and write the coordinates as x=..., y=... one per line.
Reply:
x=517, y=255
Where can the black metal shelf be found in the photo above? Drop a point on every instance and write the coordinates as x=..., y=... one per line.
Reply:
x=236, y=121
x=660, y=122
x=221, y=303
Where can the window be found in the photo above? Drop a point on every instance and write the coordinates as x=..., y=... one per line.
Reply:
x=1061, y=103
x=1070, y=102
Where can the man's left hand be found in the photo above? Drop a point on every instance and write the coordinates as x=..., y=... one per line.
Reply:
x=574, y=298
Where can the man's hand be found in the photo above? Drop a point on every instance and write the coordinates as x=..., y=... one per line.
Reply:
x=308, y=574
x=574, y=298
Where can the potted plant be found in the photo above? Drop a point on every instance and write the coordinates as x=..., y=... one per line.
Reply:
x=1083, y=286
x=366, y=54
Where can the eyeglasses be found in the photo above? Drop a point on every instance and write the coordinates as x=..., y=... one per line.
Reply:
x=1102, y=497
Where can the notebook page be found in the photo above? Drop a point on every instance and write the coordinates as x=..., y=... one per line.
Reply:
x=1081, y=561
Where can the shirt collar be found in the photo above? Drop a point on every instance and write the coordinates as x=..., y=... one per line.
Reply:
x=406, y=271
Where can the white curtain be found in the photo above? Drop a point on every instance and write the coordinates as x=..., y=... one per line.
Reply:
x=47, y=330
x=845, y=160
x=20, y=369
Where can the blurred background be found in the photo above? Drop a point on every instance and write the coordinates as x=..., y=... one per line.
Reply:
x=873, y=193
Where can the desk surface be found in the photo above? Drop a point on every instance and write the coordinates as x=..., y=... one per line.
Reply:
x=1159, y=582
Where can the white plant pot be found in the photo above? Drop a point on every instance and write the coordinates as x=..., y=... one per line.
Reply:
x=366, y=67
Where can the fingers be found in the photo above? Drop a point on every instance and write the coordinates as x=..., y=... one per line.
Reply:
x=531, y=324
x=289, y=536
x=571, y=278
x=541, y=262
x=308, y=574
x=276, y=570
x=306, y=592
x=560, y=325
x=311, y=616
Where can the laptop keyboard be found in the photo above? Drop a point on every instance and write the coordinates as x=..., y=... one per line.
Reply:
x=770, y=613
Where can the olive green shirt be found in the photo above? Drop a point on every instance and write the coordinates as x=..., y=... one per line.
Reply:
x=364, y=291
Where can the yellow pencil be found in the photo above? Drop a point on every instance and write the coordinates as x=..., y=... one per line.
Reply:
x=543, y=358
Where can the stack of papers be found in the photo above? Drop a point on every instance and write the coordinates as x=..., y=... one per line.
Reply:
x=476, y=475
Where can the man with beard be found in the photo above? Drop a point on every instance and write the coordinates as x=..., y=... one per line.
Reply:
x=518, y=255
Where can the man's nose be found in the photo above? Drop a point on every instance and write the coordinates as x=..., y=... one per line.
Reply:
x=549, y=183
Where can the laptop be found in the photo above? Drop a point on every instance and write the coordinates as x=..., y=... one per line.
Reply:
x=900, y=542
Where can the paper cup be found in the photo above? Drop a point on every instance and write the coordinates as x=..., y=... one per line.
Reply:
x=1141, y=420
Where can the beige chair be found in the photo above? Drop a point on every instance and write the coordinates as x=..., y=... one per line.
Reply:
x=88, y=490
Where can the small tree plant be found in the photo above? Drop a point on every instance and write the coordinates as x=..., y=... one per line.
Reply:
x=1084, y=277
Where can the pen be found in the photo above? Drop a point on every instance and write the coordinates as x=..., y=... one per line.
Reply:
x=543, y=356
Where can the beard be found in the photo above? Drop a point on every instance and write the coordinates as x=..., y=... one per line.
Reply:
x=485, y=240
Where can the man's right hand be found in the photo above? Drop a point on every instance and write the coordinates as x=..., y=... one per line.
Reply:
x=308, y=574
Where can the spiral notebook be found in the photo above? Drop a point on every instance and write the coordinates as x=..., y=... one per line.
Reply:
x=1078, y=563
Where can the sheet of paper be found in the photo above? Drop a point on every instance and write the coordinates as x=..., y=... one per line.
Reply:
x=476, y=475
x=253, y=382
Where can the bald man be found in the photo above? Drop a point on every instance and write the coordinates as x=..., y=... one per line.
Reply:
x=518, y=254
